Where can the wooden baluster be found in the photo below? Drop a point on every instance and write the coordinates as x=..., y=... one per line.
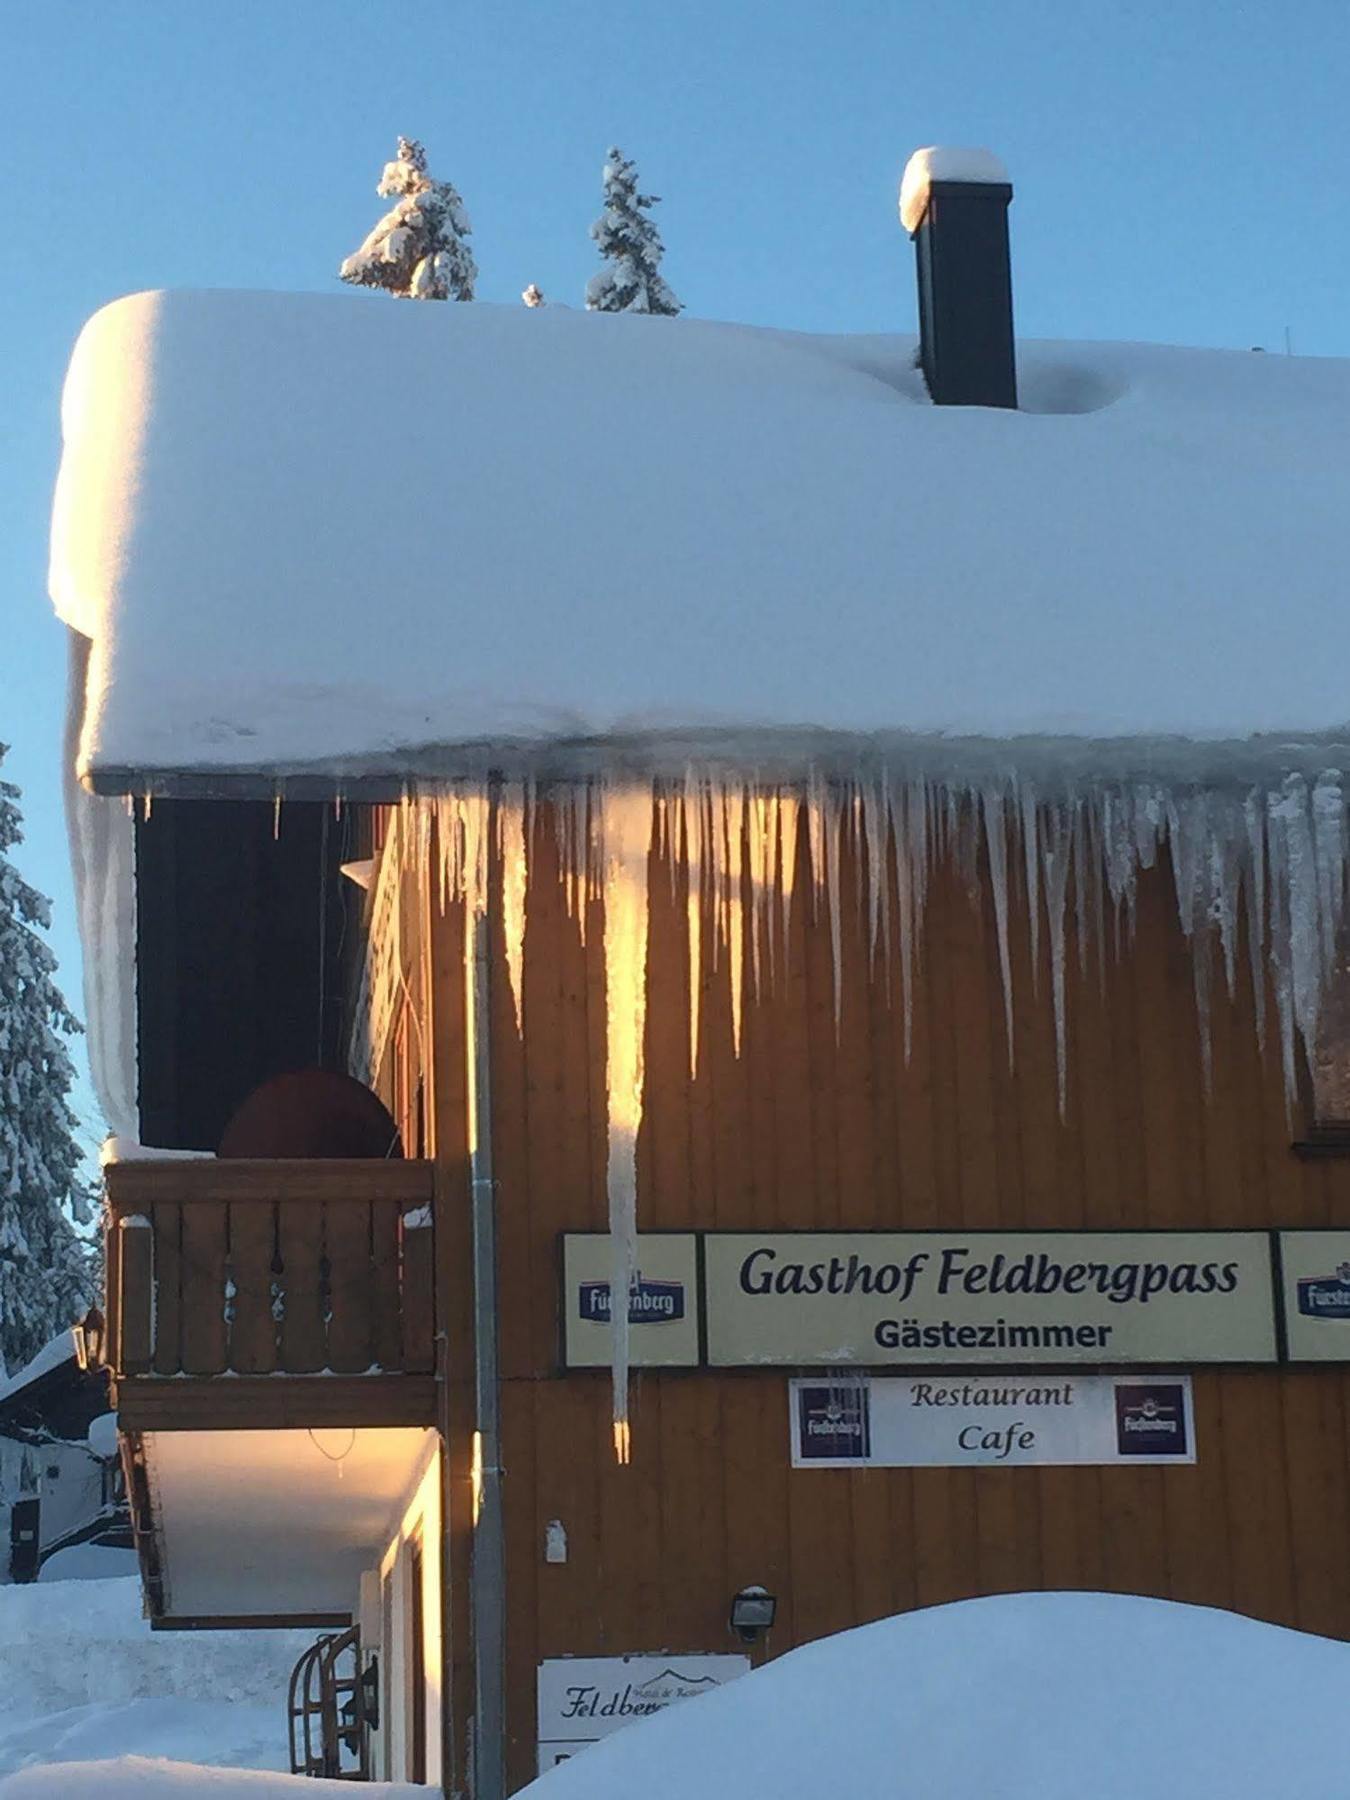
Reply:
x=136, y=1278
x=417, y=1310
x=300, y=1232
x=386, y=1324
x=167, y=1218
x=204, y=1275
x=351, y=1348
x=253, y=1331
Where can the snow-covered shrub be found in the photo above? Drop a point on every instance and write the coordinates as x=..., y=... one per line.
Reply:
x=631, y=246
x=419, y=249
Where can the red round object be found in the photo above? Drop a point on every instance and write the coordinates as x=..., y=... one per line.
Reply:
x=311, y=1113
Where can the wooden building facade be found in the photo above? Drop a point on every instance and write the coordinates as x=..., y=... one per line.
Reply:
x=820, y=1121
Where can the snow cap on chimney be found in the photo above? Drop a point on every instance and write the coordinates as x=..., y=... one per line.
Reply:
x=942, y=163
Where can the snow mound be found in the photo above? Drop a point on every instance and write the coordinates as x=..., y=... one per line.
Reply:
x=284, y=569
x=1023, y=1697
x=139, y=1778
x=82, y=1676
x=944, y=163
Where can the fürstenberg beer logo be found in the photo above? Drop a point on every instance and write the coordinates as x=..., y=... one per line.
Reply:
x=1150, y=1418
x=1326, y=1296
x=834, y=1423
x=649, y=1302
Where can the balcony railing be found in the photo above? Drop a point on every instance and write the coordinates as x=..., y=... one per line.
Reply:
x=221, y=1268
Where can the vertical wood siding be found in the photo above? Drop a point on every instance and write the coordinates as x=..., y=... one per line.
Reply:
x=816, y=1127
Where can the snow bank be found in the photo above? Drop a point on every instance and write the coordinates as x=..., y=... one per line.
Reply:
x=944, y=163
x=139, y=1778
x=283, y=564
x=1023, y=1697
x=82, y=1676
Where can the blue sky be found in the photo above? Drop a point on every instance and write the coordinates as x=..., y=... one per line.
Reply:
x=1179, y=174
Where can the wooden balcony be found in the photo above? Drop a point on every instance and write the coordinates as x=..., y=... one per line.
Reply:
x=270, y=1294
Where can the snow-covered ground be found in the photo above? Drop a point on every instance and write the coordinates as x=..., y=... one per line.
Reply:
x=1018, y=1697
x=140, y=1778
x=82, y=1676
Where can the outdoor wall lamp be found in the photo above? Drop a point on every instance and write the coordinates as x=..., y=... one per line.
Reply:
x=752, y=1612
x=90, y=1335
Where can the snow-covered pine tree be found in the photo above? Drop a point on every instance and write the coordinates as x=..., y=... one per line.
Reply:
x=630, y=245
x=46, y=1275
x=418, y=250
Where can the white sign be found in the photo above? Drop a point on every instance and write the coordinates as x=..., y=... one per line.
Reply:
x=1315, y=1270
x=585, y=1698
x=976, y=1421
x=978, y=1299
x=662, y=1301
x=380, y=982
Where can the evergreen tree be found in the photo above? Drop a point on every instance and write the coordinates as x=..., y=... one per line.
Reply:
x=630, y=245
x=418, y=250
x=46, y=1277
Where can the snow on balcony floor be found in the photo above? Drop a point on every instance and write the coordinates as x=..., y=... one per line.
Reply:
x=337, y=533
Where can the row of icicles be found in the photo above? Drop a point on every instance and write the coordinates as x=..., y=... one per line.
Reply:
x=1278, y=851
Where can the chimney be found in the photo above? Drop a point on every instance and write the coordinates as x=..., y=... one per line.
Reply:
x=954, y=204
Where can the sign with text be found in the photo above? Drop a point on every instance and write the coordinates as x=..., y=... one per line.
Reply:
x=983, y=1421
x=1315, y=1270
x=585, y=1698
x=662, y=1301
x=984, y=1298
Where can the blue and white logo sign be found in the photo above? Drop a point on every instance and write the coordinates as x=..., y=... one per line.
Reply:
x=663, y=1302
x=1315, y=1271
x=833, y=1423
x=1326, y=1296
x=649, y=1302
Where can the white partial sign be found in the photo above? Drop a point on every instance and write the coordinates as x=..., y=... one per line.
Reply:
x=381, y=974
x=585, y=1698
x=1315, y=1270
x=662, y=1301
x=979, y=1299
x=983, y=1421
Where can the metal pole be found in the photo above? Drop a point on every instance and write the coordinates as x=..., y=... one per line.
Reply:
x=488, y=1576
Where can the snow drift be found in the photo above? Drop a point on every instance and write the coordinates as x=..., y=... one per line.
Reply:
x=1024, y=1696
x=83, y=1677
x=145, y=1778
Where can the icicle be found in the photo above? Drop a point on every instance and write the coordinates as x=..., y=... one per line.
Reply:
x=874, y=827
x=731, y=889
x=1255, y=884
x=1031, y=854
x=625, y=837
x=996, y=843
x=149, y=805
x=276, y=816
x=695, y=832
x=512, y=849
x=1328, y=812
x=1055, y=850
x=788, y=817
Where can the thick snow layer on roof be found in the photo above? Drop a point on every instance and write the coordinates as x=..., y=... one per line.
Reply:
x=58, y=1350
x=340, y=534
x=944, y=162
x=1025, y=1696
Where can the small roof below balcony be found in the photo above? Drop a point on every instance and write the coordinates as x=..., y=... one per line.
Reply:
x=274, y=1527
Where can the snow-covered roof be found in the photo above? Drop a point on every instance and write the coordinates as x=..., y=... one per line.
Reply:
x=53, y=1355
x=344, y=535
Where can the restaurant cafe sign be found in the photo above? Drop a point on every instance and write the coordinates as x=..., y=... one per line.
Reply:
x=974, y=1299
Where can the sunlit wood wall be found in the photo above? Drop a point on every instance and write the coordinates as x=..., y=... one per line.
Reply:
x=813, y=1128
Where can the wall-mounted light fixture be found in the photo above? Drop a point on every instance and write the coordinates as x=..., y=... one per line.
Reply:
x=752, y=1612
